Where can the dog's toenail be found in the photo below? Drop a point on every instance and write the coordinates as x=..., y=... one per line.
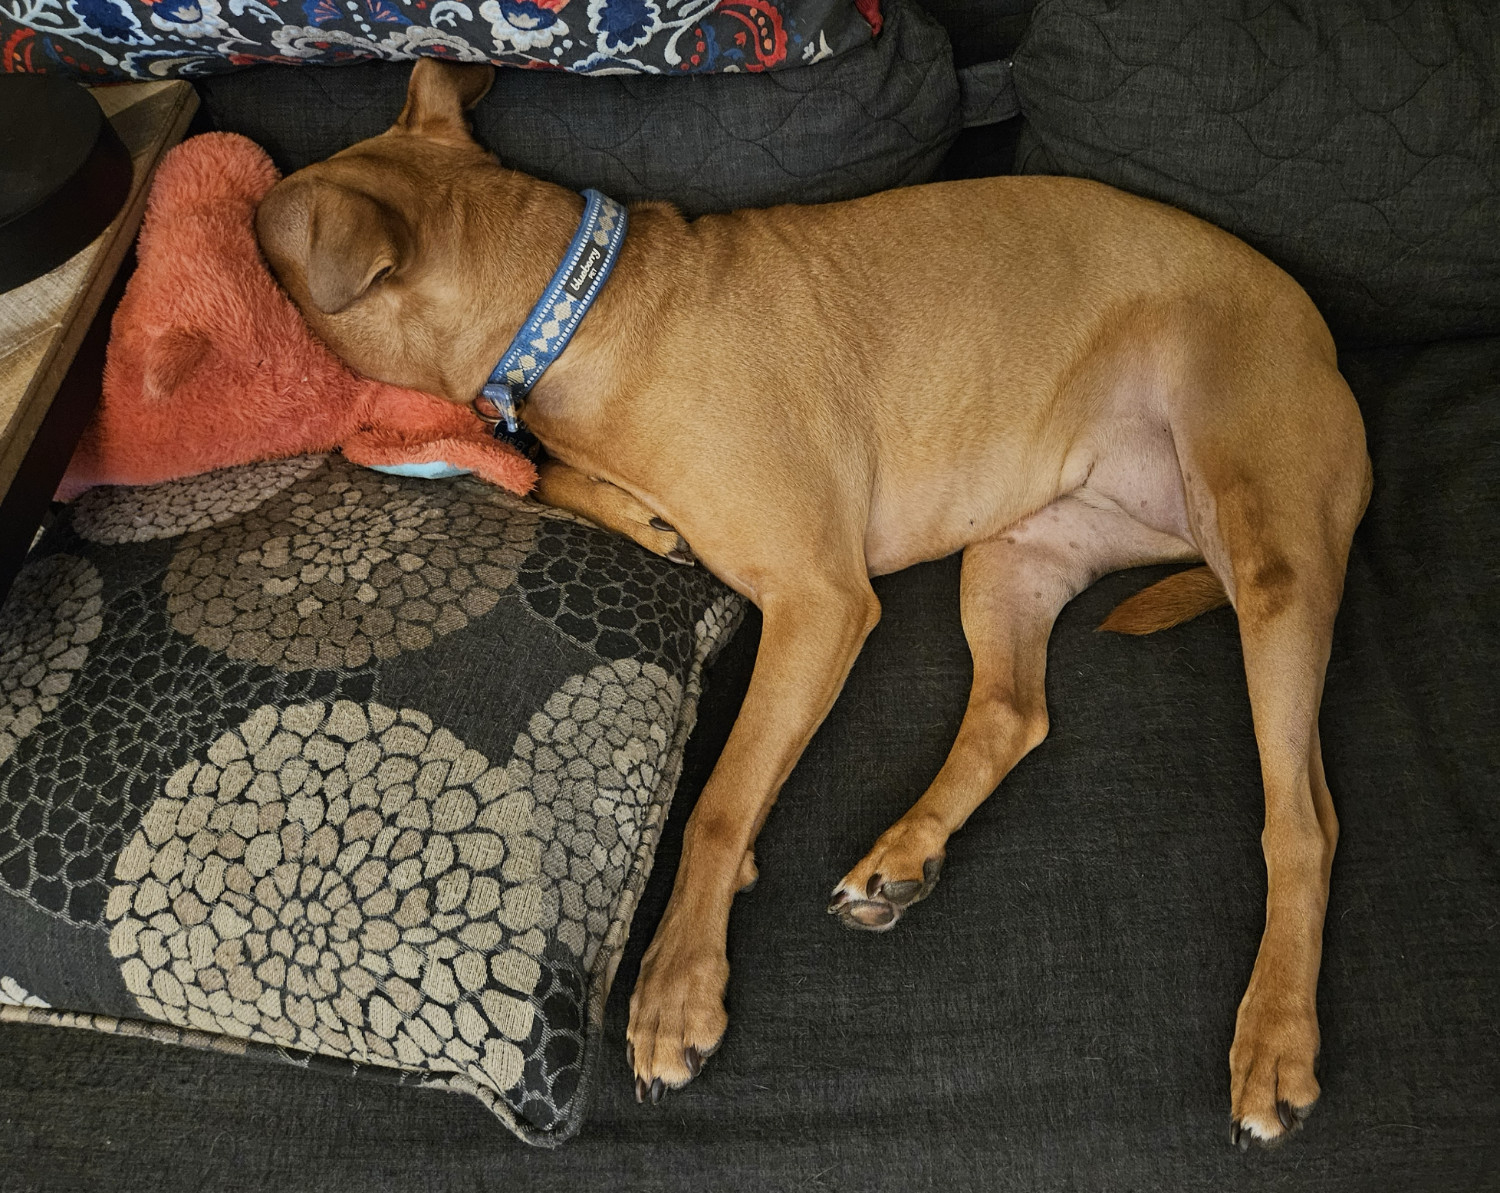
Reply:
x=629, y=1055
x=839, y=899
x=661, y=524
x=874, y=884
x=640, y=1089
x=1284, y=1113
x=657, y=1089
x=1234, y=1130
x=681, y=557
x=694, y=1061
x=931, y=868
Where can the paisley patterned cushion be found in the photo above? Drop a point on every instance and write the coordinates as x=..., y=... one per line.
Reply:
x=879, y=116
x=311, y=760
x=143, y=39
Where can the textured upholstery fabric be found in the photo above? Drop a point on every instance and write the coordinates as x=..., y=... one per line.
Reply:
x=879, y=116
x=981, y=32
x=1354, y=142
x=1058, y=1015
x=114, y=40
x=302, y=756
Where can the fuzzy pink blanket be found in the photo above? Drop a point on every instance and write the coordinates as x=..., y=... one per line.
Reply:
x=210, y=364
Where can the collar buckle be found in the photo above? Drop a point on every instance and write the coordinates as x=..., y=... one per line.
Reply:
x=541, y=339
x=498, y=406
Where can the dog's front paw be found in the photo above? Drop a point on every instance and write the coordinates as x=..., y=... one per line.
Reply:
x=901, y=870
x=1271, y=1082
x=661, y=537
x=677, y=1017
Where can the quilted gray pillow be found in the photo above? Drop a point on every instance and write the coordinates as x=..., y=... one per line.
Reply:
x=876, y=116
x=1354, y=142
x=312, y=761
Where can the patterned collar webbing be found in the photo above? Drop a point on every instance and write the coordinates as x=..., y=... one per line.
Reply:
x=544, y=335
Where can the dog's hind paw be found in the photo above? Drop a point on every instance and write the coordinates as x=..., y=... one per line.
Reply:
x=881, y=903
x=900, y=870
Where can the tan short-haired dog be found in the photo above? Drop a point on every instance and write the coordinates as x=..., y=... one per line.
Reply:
x=1056, y=378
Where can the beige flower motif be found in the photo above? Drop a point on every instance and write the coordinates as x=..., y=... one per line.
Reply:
x=139, y=514
x=342, y=879
x=592, y=762
x=347, y=567
x=13, y=994
x=350, y=880
x=51, y=616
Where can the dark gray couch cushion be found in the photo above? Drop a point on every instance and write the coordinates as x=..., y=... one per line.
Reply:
x=1057, y=1017
x=881, y=115
x=1354, y=142
x=981, y=30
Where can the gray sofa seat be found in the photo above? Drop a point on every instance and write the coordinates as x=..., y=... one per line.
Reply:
x=1057, y=1016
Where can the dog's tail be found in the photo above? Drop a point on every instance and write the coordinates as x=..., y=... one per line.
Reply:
x=1181, y=597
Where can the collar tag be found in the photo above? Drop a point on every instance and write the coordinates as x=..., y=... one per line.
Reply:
x=574, y=286
x=496, y=406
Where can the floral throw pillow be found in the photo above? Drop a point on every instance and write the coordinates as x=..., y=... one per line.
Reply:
x=146, y=39
x=359, y=769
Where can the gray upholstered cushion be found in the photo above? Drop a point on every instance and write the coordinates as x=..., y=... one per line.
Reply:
x=305, y=757
x=880, y=115
x=1354, y=142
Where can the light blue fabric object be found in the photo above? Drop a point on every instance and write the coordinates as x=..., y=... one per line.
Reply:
x=431, y=470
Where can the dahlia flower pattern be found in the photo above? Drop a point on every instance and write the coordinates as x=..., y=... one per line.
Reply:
x=339, y=879
x=13, y=994
x=348, y=566
x=51, y=616
x=348, y=879
x=223, y=769
x=78, y=782
x=178, y=507
x=591, y=587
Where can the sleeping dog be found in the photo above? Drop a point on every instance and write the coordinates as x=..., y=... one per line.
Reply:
x=1056, y=378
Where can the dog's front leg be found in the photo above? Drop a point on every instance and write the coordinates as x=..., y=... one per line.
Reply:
x=810, y=638
x=606, y=505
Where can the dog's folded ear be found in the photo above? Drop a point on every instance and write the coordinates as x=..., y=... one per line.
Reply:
x=439, y=94
x=340, y=241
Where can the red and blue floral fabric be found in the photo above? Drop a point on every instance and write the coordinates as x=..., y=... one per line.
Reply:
x=101, y=40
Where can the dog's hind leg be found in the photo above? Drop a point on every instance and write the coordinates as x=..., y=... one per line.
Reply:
x=1287, y=596
x=1013, y=586
x=1274, y=499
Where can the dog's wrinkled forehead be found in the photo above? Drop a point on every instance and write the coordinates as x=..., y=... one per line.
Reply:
x=332, y=231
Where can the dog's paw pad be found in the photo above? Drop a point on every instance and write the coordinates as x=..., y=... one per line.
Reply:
x=882, y=901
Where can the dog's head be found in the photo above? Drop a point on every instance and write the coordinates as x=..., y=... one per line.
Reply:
x=395, y=249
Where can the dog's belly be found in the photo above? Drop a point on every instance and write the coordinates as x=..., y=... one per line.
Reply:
x=1125, y=457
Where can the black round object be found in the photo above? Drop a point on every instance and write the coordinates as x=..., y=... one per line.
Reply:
x=64, y=174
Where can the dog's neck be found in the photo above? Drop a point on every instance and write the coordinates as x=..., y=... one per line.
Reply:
x=570, y=408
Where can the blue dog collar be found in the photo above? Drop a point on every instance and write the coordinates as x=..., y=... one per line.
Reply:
x=545, y=334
